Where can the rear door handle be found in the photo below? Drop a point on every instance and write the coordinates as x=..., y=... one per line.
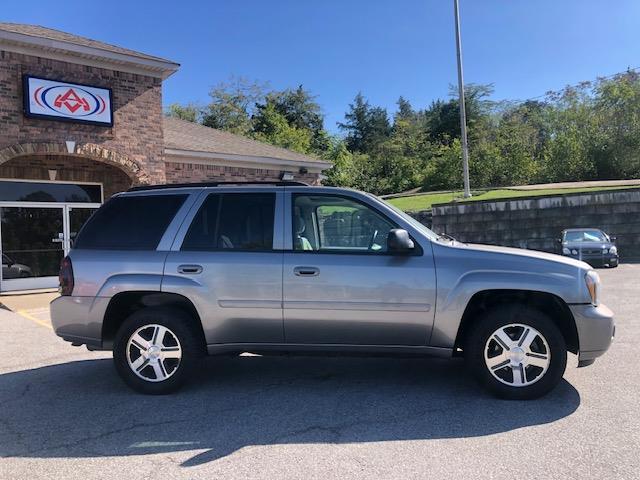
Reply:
x=190, y=269
x=306, y=271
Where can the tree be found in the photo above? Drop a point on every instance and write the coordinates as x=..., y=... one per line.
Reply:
x=572, y=121
x=272, y=127
x=443, y=118
x=190, y=112
x=408, y=132
x=301, y=112
x=379, y=128
x=232, y=105
x=583, y=132
x=616, y=146
x=342, y=172
x=365, y=126
x=444, y=170
x=405, y=112
x=298, y=107
x=356, y=124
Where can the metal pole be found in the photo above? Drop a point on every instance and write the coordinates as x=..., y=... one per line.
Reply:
x=463, y=113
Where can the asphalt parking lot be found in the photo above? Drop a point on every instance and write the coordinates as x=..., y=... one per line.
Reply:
x=65, y=414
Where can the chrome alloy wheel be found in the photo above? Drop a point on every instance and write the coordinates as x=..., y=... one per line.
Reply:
x=517, y=355
x=154, y=353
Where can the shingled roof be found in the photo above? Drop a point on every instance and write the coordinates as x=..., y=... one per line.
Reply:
x=51, y=34
x=49, y=39
x=193, y=137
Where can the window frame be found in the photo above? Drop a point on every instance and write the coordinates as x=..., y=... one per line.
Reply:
x=195, y=210
x=417, y=251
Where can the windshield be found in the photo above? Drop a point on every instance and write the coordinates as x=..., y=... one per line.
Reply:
x=409, y=219
x=585, y=236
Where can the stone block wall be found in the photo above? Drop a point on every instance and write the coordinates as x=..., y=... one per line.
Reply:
x=536, y=222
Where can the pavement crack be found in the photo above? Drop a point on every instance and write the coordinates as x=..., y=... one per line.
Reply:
x=20, y=395
x=92, y=438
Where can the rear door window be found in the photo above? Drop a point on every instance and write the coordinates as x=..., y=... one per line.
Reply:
x=233, y=221
x=129, y=223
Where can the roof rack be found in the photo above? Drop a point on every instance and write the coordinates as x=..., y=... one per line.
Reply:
x=215, y=184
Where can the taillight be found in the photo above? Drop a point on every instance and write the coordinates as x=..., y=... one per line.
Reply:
x=65, y=277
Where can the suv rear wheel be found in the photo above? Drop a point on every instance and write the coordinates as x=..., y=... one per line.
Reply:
x=516, y=352
x=155, y=349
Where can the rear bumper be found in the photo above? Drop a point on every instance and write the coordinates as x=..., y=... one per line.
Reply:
x=596, y=329
x=78, y=319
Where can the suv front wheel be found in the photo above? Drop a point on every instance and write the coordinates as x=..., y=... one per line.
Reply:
x=516, y=352
x=155, y=349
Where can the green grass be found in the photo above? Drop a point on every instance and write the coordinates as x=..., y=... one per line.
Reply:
x=421, y=202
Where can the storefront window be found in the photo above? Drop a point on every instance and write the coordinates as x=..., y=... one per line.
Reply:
x=19, y=191
x=32, y=244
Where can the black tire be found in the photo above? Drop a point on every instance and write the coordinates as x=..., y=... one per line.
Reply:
x=488, y=323
x=181, y=325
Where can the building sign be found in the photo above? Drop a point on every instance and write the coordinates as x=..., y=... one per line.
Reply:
x=67, y=101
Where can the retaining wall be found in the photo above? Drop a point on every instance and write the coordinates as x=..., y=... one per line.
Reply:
x=536, y=222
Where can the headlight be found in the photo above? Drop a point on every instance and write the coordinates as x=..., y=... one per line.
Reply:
x=566, y=251
x=613, y=250
x=592, y=280
x=574, y=251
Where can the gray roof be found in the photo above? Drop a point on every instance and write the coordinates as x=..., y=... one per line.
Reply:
x=183, y=135
x=57, y=35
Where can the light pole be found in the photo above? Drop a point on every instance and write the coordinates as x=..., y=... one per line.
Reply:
x=463, y=113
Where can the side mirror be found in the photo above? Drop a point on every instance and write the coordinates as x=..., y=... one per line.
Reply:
x=613, y=239
x=399, y=241
x=559, y=240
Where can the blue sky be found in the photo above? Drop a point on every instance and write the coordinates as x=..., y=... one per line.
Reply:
x=336, y=48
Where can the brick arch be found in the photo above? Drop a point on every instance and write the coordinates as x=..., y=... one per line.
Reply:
x=90, y=151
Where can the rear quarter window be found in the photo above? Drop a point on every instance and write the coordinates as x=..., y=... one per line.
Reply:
x=129, y=223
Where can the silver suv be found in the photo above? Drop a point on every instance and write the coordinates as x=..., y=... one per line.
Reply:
x=162, y=275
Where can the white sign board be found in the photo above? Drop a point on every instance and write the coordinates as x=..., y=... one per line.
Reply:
x=67, y=101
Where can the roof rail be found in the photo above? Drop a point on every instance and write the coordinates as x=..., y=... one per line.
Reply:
x=214, y=184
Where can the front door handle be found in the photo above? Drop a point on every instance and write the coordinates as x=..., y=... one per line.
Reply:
x=190, y=269
x=306, y=271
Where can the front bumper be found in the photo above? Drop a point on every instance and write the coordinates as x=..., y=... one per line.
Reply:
x=596, y=329
x=597, y=260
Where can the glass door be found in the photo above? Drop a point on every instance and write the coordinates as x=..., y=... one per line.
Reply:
x=33, y=243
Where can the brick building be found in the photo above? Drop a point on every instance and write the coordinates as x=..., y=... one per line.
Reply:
x=81, y=120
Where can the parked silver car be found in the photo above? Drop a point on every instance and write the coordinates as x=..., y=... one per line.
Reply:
x=163, y=275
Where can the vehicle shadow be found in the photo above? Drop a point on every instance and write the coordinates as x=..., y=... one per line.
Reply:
x=81, y=409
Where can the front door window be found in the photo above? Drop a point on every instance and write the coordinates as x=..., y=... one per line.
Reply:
x=330, y=223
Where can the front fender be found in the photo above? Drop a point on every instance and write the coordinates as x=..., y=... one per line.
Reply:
x=453, y=300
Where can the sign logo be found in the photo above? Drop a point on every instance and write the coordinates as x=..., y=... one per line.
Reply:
x=72, y=101
x=67, y=101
